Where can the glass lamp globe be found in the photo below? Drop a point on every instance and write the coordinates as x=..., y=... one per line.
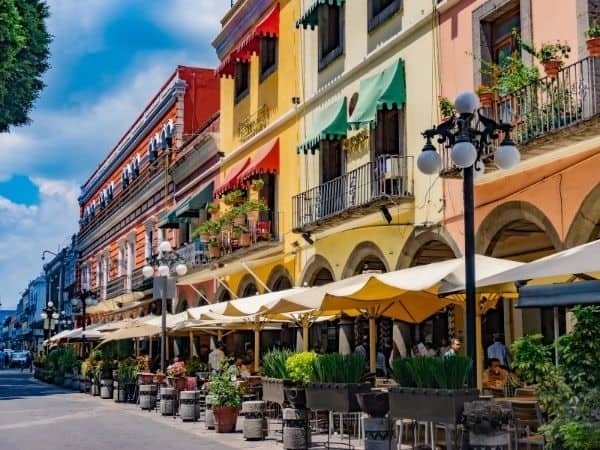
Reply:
x=507, y=155
x=163, y=270
x=75, y=302
x=466, y=102
x=429, y=161
x=478, y=169
x=55, y=316
x=44, y=316
x=50, y=304
x=148, y=271
x=165, y=246
x=181, y=269
x=463, y=154
x=88, y=301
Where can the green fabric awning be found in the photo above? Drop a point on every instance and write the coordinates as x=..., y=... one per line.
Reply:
x=331, y=123
x=192, y=205
x=310, y=17
x=387, y=89
x=168, y=220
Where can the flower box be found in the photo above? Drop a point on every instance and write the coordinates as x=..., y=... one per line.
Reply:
x=338, y=397
x=429, y=405
x=274, y=389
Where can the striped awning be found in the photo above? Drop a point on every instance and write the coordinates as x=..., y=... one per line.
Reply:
x=191, y=206
x=331, y=123
x=265, y=160
x=233, y=178
x=310, y=17
x=168, y=219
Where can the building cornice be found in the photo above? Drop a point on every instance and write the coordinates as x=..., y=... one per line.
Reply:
x=153, y=114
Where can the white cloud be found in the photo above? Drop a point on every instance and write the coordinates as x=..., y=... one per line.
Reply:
x=25, y=231
x=197, y=19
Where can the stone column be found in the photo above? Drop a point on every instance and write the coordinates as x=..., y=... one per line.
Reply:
x=346, y=338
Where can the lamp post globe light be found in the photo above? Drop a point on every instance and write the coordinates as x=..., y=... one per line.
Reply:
x=84, y=299
x=50, y=318
x=468, y=134
x=167, y=262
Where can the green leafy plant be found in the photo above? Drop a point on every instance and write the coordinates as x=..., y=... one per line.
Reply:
x=300, y=367
x=213, y=243
x=255, y=205
x=593, y=31
x=212, y=207
x=273, y=364
x=336, y=368
x=555, y=51
x=432, y=372
x=127, y=371
x=234, y=197
x=222, y=390
x=194, y=365
x=67, y=360
x=257, y=184
x=210, y=227
x=446, y=107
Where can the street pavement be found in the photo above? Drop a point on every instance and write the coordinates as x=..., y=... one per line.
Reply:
x=38, y=416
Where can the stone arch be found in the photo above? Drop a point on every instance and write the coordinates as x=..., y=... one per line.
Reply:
x=315, y=270
x=364, y=252
x=516, y=224
x=222, y=294
x=279, y=279
x=426, y=247
x=586, y=223
x=247, y=287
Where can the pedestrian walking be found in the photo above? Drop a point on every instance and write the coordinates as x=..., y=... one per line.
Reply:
x=499, y=351
x=29, y=360
x=6, y=360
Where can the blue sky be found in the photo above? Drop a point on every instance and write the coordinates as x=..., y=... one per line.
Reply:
x=109, y=57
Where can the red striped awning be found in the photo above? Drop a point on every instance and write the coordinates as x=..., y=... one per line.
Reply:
x=265, y=160
x=267, y=27
x=233, y=179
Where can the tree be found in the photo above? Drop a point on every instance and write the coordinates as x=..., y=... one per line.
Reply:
x=24, y=53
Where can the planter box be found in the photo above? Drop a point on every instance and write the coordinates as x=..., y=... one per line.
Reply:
x=273, y=389
x=338, y=397
x=225, y=418
x=430, y=405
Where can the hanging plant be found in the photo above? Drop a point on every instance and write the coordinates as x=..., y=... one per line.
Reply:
x=257, y=184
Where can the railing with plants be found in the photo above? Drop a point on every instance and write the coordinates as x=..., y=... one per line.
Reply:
x=245, y=223
x=386, y=176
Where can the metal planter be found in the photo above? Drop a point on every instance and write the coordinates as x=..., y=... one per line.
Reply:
x=430, y=405
x=338, y=397
x=273, y=389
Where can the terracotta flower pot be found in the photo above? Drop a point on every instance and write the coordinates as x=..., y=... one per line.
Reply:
x=245, y=240
x=253, y=215
x=225, y=418
x=552, y=67
x=215, y=252
x=239, y=220
x=486, y=99
x=593, y=46
x=204, y=237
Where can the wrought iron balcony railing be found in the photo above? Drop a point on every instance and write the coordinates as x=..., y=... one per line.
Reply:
x=117, y=286
x=387, y=177
x=545, y=108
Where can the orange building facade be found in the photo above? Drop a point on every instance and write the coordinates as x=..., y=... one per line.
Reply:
x=123, y=201
x=551, y=200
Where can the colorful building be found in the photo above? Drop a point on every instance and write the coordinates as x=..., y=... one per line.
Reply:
x=551, y=200
x=124, y=201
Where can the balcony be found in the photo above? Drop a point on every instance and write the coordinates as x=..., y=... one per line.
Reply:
x=548, y=114
x=139, y=282
x=254, y=123
x=231, y=244
x=117, y=286
x=359, y=192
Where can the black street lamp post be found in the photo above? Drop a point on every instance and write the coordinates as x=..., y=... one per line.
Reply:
x=50, y=318
x=84, y=299
x=167, y=261
x=467, y=144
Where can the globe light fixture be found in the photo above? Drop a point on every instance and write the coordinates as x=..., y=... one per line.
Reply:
x=466, y=103
x=507, y=155
x=148, y=271
x=163, y=270
x=43, y=316
x=429, y=161
x=463, y=154
x=165, y=247
x=181, y=269
x=75, y=302
x=55, y=316
x=50, y=304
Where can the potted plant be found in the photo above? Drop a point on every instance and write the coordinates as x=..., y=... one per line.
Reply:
x=214, y=249
x=204, y=230
x=551, y=57
x=257, y=184
x=254, y=208
x=241, y=234
x=446, y=107
x=337, y=380
x=176, y=375
x=300, y=369
x=225, y=223
x=431, y=389
x=275, y=375
x=239, y=215
x=226, y=401
x=234, y=197
x=593, y=39
x=213, y=210
x=486, y=96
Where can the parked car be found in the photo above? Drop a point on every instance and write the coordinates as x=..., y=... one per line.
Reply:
x=18, y=359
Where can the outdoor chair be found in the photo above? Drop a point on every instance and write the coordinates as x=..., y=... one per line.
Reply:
x=527, y=420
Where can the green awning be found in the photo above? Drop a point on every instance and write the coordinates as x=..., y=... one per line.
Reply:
x=387, y=89
x=331, y=123
x=168, y=220
x=192, y=205
x=310, y=17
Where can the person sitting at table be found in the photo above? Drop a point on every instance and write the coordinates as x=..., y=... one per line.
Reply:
x=494, y=376
x=242, y=369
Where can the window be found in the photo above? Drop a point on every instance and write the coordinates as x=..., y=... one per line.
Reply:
x=331, y=34
x=332, y=160
x=268, y=56
x=503, y=41
x=381, y=10
x=242, y=80
x=389, y=132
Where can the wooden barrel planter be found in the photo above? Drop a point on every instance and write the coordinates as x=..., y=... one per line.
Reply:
x=106, y=388
x=379, y=433
x=338, y=397
x=187, y=406
x=200, y=403
x=119, y=392
x=147, y=396
x=429, y=405
x=225, y=418
x=255, y=424
x=296, y=429
x=168, y=398
x=209, y=418
x=95, y=388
